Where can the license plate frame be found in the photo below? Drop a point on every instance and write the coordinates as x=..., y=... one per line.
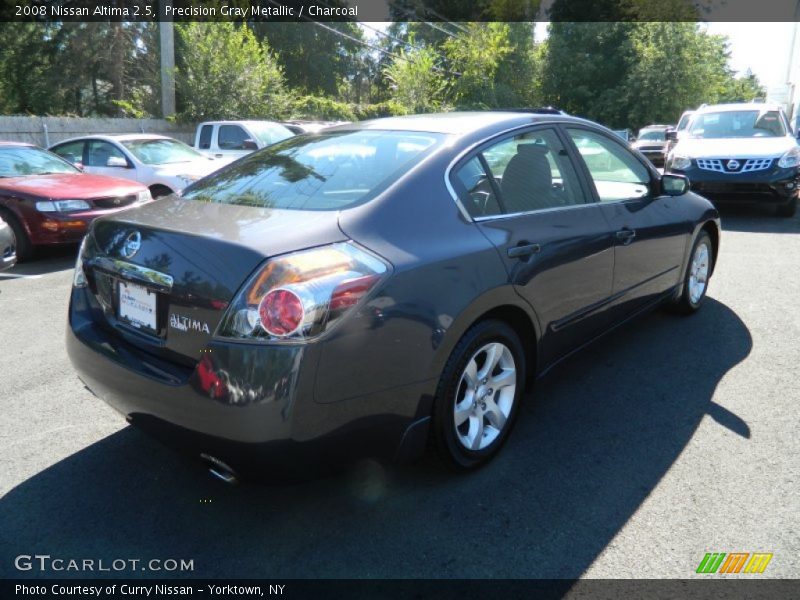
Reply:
x=137, y=306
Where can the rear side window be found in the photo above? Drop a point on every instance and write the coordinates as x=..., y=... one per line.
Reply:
x=526, y=173
x=205, y=137
x=71, y=151
x=329, y=171
x=231, y=137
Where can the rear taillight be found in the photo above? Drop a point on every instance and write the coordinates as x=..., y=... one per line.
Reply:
x=300, y=296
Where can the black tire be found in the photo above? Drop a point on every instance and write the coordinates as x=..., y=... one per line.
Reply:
x=25, y=249
x=789, y=209
x=445, y=433
x=685, y=304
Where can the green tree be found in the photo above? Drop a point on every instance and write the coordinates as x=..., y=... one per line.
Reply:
x=225, y=72
x=415, y=80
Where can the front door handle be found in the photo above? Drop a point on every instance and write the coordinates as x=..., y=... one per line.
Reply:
x=523, y=250
x=626, y=236
x=218, y=155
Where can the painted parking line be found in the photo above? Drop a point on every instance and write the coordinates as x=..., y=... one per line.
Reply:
x=19, y=276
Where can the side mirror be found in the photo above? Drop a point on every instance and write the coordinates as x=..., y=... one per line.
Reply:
x=671, y=135
x=117, y=161
x=674, y=185
x=249, y=145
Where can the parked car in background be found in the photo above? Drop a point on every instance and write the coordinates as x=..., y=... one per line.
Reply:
x=625, y=134
x=351, y=293
x=299, y=126
x=47, y=200
x=163, y=164
x=740, y=152
x=8, y=246
x=680, y=131
x=652, y=142
x=229, y=140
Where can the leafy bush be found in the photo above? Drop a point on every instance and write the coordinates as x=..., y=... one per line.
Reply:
x=320, y=108
x=389, y=108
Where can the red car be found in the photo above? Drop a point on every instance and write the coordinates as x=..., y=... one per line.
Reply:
x=46, y=200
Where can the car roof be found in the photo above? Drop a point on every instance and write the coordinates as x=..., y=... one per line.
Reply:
x=241, y=122
x=738, y=106
x=116, y=137
x=458, y=123
x=10, y=143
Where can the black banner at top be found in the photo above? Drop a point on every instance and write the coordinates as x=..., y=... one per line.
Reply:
x=399, y=10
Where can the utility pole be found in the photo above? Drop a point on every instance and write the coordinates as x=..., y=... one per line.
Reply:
x=166, y=30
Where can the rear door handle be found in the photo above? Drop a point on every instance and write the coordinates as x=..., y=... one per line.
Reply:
x=523, y=250
x=626, y=236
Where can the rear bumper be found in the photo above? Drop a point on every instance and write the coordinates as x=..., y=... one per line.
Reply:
x=771, y=186
x=655, y=157
x=251, y=406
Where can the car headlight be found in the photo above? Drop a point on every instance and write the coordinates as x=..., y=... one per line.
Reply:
x=187, y=179
x=790, y=159
x=62, y=206
x=680, y=162
x=144, y=196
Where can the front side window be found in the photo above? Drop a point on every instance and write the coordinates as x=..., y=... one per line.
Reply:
x=328, y=171
x=161, y=151
x=231, y=137
x=738, y=124
x=99, y=153
x=19, y=161
x=616, y=172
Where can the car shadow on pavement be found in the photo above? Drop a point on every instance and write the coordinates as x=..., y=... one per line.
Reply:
x=592, y=442
x=757, y=219
x=46, y=260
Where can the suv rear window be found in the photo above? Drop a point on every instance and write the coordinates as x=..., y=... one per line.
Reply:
x=328, y=171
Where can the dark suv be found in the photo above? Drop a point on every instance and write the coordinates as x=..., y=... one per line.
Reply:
x=740, y=153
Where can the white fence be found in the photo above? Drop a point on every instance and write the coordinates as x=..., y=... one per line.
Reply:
x=44, y=131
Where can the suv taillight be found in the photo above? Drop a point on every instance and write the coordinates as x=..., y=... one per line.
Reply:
x=300, y=296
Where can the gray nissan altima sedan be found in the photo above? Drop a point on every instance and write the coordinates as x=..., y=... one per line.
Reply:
x=363, y=291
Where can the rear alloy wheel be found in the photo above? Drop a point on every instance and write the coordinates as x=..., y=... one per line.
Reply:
x=789, y=209
x=479, y=395
x=695, y=283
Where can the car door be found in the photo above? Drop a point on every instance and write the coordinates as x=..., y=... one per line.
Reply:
x=650, y=229
x=231, y=141
x=526, y=197
x=104, y=158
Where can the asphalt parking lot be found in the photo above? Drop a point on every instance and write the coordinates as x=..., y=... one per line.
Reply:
x=671, y=438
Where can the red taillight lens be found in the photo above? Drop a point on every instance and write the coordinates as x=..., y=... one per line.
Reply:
x=299, y=296
x=281, y=312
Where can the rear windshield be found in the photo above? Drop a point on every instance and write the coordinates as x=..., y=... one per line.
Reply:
x=653, y=135
x=737, y=124
x=328, y=171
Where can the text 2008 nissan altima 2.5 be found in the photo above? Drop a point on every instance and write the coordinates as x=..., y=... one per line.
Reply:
x=368, y=289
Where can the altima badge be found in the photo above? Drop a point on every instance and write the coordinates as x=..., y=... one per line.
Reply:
x=131, y=244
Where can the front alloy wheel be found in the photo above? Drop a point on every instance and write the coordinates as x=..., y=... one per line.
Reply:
x=478, y=396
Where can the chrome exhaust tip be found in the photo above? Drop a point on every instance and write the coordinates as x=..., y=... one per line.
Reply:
x=220, y=470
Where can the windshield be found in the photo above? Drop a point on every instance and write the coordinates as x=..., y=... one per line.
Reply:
x=317, y=172
x=652, y=135
x=19, y=161
x=269, y=133
x=738, y=124
x=684, y=122
x=162, y=152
